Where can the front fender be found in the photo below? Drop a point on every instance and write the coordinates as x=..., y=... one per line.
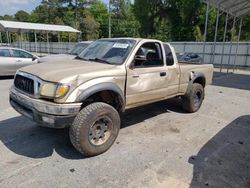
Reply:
x=87, y=89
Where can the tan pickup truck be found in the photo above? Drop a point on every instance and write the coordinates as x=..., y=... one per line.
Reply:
x=110, y=76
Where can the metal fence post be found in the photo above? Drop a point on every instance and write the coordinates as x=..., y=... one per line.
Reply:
x=110, y=35
x=21, y=42
x=48, y=50
x=205, y=32
x=7, y=35
x=10, y=38
x=231, y=43
x=236, y=53
x=224, y=40
x=36, y=42
x=1, y=40
x=248, y=52
x=216, y=31
x=28, y=38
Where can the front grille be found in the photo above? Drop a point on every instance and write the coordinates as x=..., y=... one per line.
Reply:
x=24, y=84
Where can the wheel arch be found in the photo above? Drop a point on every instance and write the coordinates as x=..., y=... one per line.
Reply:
x=107, y=92
x=197, y=77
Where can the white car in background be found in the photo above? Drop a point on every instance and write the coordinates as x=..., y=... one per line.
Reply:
x=12, y=59
x=71, y=54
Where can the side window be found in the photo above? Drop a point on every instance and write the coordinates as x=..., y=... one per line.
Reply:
x=149, y=55
x=21, y=54
x=4, y=53
x=169, y=55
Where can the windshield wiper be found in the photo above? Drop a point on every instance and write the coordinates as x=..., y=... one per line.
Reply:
x=99, y=60
x=78, y=57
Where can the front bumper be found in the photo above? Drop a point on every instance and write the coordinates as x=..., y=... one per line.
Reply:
x=45, y=113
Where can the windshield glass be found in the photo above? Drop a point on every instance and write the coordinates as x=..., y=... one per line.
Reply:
x=112, y=51
x=78, y=48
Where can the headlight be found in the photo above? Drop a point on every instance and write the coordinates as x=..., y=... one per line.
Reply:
x=61, y=90
x=52, y=90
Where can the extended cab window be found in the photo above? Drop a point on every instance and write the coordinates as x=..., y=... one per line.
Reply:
x=169, y=55
x=4, y=53
x=148, y=55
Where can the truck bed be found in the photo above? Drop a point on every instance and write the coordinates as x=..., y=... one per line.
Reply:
x=187, y=68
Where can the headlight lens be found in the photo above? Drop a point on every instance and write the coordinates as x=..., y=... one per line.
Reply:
x=52, y=90
x=62, y=90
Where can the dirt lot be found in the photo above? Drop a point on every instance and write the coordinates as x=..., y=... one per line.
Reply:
x=159, y=145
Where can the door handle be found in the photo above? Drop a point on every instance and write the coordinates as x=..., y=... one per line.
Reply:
x=135, y=76
x=163, y=74
x=19, y=61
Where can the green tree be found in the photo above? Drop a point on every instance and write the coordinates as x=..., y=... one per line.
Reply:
x=22, y=16
x=167, y=20
x=124, y=22
x=7, y=17
x=89, y=26
x=101, y=15
x=144, y=15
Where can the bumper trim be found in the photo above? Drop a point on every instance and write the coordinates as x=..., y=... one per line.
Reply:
x=45, y=106
x=59, y=115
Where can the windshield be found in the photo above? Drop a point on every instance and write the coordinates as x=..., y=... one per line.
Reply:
x=111, y=51
x=78, y=48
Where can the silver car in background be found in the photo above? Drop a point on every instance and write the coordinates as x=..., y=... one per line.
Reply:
x=190, y=58
x=71, y=54
x=12, y=59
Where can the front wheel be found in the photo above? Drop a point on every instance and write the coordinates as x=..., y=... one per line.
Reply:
x=193, y=99
x=95, y=129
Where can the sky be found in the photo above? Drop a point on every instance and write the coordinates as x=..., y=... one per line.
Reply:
x=12, y=6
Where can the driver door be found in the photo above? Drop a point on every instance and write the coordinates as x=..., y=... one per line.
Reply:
x=147, y=75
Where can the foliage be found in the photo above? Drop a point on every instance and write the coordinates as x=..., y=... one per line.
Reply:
x=101, y=15
x=167, y=20
x=123, y=19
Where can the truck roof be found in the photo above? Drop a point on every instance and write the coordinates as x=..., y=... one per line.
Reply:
x=136, y=39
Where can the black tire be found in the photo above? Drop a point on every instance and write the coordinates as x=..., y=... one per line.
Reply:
x=193, y=99
x=88, y=129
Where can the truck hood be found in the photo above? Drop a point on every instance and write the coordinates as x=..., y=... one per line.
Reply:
x=56, y=57
x=68, y=70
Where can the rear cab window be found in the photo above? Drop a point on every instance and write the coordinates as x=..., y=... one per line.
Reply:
x=169, y=55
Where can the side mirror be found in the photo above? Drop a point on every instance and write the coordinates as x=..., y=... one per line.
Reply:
x=140, y=58
x=34, y=58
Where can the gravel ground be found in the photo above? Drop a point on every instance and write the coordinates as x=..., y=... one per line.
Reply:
x=159, y=145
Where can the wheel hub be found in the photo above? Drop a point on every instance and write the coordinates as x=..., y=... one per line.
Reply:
x=197, y=98
x=100, y=131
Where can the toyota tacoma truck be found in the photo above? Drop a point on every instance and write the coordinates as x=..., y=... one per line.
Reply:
x=88, y=94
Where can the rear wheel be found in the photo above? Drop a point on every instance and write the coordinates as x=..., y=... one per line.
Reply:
x=95, y=129
x=193, y=99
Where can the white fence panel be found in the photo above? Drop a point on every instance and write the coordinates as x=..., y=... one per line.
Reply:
x=242, y=59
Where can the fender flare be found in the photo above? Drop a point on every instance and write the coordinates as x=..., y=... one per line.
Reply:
x=194, y=76
x=103, y=87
